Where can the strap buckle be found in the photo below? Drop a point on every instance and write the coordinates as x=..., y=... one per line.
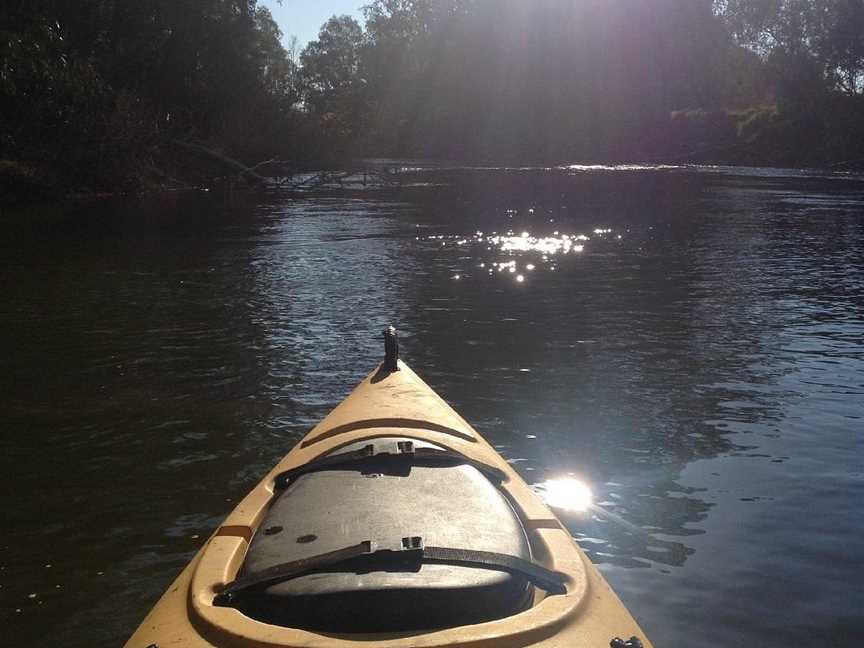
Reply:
x=388, y=449
x=407, y=551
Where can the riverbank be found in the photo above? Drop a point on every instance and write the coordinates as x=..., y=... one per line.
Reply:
x=758, y=136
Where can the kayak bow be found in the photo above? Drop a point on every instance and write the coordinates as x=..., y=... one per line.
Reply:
x=393, y=521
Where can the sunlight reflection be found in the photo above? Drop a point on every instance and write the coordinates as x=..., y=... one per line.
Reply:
x=533, y=252
x=556, y=244
x=619, y=167
x=566, y=493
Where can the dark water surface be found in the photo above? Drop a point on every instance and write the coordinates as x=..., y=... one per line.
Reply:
x=689, y=342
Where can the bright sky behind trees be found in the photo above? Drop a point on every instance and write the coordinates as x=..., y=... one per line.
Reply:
x=303, y=18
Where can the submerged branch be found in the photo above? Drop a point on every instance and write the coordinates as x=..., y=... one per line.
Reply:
x=221, y=159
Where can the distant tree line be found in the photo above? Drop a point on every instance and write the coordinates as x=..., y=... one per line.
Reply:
x=752, y=81
x=93, y=92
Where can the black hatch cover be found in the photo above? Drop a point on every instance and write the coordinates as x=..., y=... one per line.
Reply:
x=383, y=500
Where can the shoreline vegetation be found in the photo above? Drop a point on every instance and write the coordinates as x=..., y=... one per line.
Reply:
x=107, y=97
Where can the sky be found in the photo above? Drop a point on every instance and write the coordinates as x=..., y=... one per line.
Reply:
x=303, y=18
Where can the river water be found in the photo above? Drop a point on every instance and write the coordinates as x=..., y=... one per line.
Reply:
x=689, y=342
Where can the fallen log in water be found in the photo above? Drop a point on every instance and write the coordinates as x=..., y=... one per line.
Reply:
x=219, y=158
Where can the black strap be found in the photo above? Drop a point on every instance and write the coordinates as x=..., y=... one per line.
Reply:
x=547, y=579
x=288, y=570
x=399, y=452
x=409, y=556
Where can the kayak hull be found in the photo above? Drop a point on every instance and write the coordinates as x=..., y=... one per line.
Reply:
x=391, y=404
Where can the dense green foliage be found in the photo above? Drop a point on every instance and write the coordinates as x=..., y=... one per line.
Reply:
x=93, y=91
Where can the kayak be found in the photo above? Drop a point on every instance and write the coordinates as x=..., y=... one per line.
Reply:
x=393, y=523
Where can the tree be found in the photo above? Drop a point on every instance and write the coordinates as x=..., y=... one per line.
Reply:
x=89, y=88
x=843, y=50
x=333, y=88
x=551, y=80
x=800, y=38
x=331, y=65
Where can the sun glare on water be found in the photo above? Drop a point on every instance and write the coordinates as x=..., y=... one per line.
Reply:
x=566, y=493
x=521, y=257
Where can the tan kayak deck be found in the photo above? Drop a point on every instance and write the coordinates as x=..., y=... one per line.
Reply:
x=385, y=404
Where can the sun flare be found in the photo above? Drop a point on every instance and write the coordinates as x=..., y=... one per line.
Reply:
x=566, y=493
